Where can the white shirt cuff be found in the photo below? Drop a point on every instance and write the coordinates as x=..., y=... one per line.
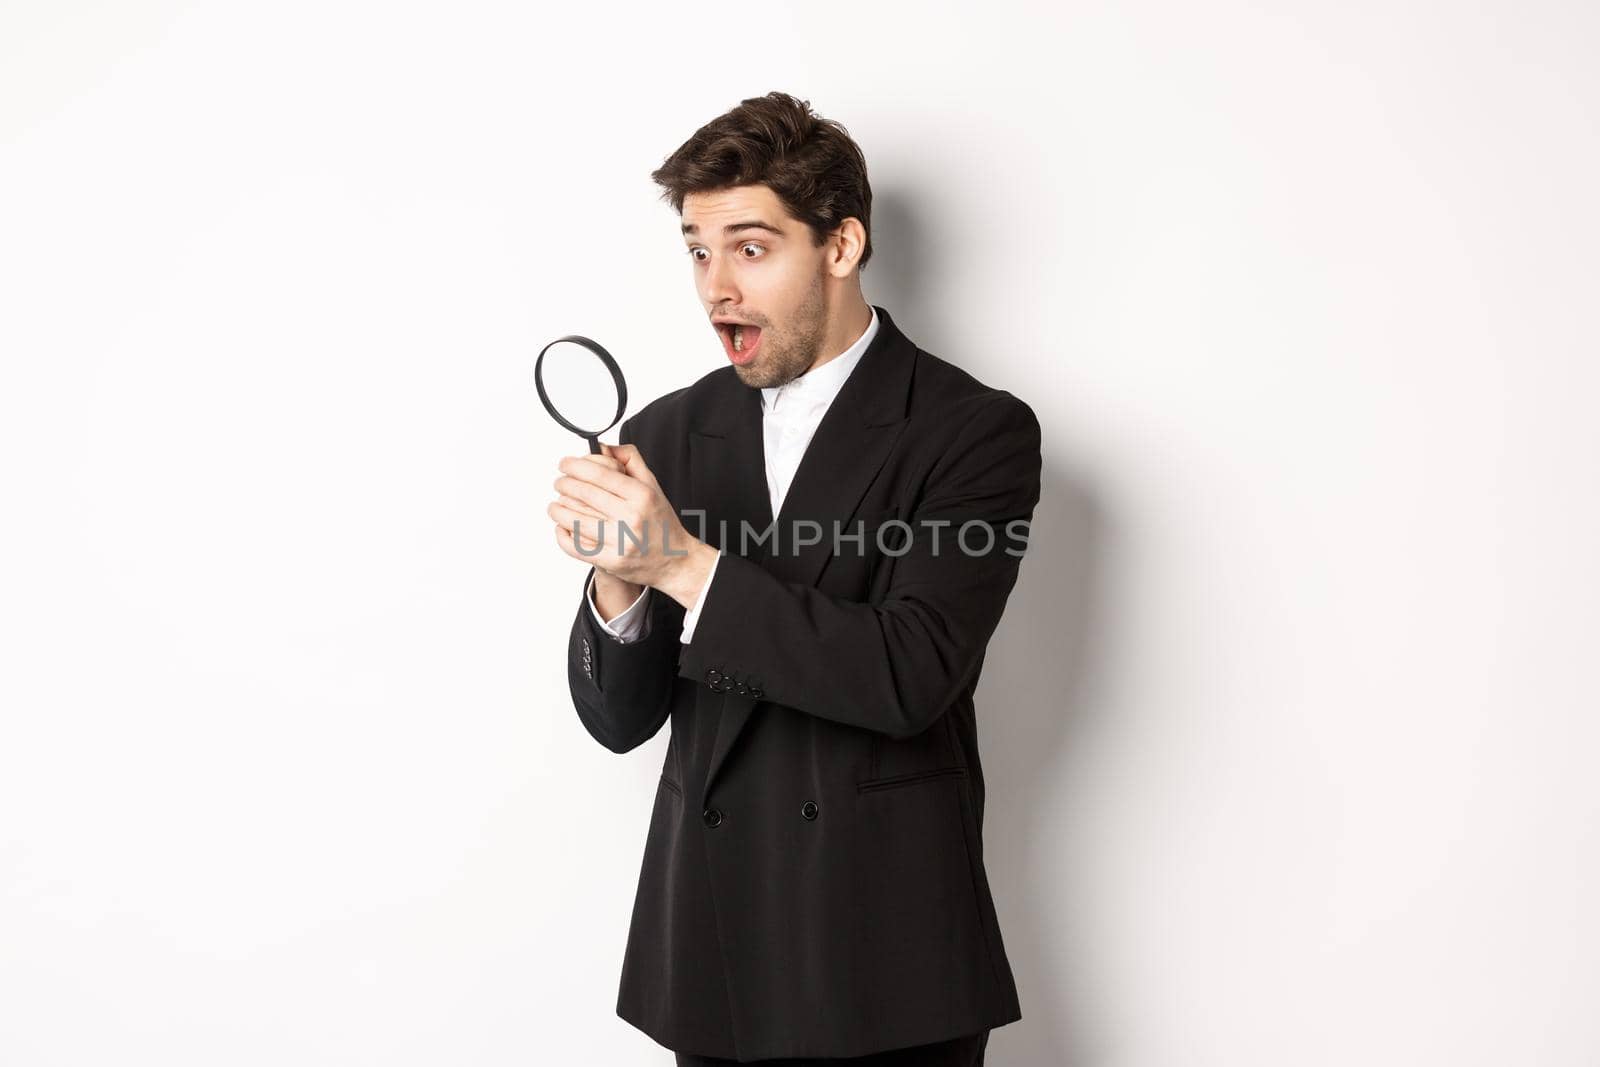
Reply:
x=693, y=615
x=632, y=625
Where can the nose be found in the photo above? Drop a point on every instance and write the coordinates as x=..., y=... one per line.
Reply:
x=717, y=285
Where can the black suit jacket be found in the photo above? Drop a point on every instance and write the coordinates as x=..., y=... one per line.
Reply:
x=813, y=880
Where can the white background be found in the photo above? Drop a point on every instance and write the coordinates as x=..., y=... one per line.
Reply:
x=1290, y=727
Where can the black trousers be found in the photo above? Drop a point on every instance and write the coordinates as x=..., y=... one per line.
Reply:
x=959, y=1052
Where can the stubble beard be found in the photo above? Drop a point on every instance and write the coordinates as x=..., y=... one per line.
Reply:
x=785, y=356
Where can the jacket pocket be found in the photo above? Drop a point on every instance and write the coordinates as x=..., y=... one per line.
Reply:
x=868, y=785
x=671, y=785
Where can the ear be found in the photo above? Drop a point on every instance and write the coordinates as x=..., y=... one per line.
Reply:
x=845, y=245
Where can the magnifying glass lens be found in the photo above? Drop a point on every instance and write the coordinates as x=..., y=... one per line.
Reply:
x=579, y=386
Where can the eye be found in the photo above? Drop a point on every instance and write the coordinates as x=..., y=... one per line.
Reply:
x=750, y=244
x=694, y=250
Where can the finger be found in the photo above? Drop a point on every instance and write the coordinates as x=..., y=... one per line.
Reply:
x=605, y=489
x=564, y=540
x=600, y=501
x=588, y=524
x=605, y=461
x=592, y=468
x=634, y=465
x=579, y=506
x=587, y=529
x=565, y=543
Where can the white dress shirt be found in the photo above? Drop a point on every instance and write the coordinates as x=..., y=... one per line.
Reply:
x=789, y=417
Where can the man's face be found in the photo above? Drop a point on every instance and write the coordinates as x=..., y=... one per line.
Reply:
x=755, y=264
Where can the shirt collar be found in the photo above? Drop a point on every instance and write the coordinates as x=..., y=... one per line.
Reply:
x=819, y=385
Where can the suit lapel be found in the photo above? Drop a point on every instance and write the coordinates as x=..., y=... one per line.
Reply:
x=727, y=457
x=727, y=469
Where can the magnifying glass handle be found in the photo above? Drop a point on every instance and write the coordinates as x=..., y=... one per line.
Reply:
x=594, y=446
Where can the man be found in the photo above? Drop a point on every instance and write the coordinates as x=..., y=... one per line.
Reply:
x=799, y=560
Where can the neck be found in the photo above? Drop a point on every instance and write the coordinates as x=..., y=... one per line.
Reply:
x=845, y=329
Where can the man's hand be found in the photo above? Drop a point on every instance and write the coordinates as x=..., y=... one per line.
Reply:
x=616, y=490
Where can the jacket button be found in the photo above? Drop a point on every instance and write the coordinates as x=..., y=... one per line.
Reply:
x=809, y=809
x=711, y=817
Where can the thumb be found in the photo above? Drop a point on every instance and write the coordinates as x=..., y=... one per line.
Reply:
x=632, y=461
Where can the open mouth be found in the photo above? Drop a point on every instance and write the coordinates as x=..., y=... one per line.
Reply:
x=739, y=341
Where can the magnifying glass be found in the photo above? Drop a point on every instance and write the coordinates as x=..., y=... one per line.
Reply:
x=578, y=377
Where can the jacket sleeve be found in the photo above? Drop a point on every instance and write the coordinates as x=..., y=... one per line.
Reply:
x=896, y=665
x=623, y=690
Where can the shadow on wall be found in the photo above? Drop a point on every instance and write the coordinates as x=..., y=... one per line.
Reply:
x=1032, y=699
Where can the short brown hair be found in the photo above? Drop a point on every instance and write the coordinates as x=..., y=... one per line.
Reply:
x=811, y=163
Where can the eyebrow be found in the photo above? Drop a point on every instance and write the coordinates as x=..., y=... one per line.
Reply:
x=753, y=224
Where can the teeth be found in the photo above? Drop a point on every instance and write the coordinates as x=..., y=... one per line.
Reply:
x=738, y=338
